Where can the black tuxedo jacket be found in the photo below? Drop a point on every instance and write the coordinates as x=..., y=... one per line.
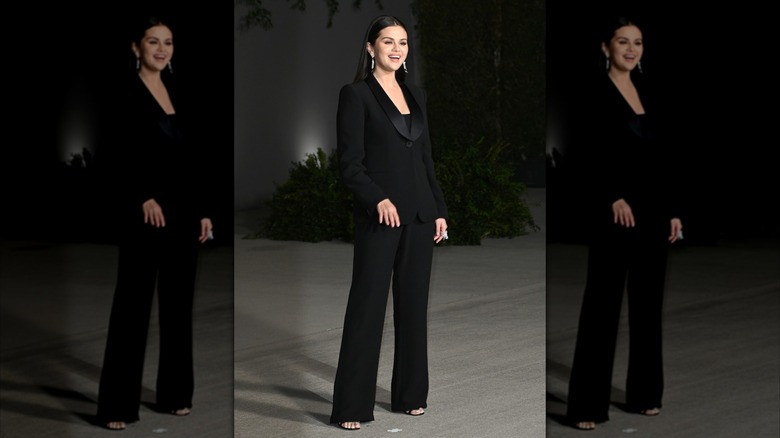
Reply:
x=629, y=156
x=381, y=158
x=153, y=155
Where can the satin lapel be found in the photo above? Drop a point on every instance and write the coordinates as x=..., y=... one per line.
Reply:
x=389, y=108
x=149, y=101
x=417, y=115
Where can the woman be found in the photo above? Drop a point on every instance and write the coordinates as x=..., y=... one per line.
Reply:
x=163, y=219
x=634, y=218
x=385, y=158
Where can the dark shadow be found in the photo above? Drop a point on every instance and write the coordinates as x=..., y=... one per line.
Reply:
x=303, y=394
x=152, y=406
x=562, y=372
x=384, y=405
x=69, y=395
x=322, y=418
x=289, y=392
x=623, y=407
x=617, y=394
x=89, y=419
x=554, y=398
x=556, y=405
x=557, y=370
x=299, y=393
x=34, y=410
x=626, y=408
x=280, y=412
x=65, y=394
x=558, y=418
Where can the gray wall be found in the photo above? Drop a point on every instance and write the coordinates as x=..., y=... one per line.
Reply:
x=287, y=82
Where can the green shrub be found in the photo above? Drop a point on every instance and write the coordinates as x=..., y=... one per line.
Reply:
x=483, y=197
x=313, y=205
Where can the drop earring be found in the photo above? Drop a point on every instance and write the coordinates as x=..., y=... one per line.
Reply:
x=170, y=67
x=607, y=64
x=639, y=66
x=137, y=64
x=405, y=70
x=372, y=63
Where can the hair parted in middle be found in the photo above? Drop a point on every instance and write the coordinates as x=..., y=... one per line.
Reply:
x=364, y=62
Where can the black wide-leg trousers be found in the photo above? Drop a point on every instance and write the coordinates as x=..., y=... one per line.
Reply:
x=166, y=257
x=635, y=260
x=381, y=253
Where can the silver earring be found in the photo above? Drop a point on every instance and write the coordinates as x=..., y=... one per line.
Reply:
x=405, y=70
x=639, y=66
x=137, y=64
x=170, y=67
x=607, y=63
x=372, y=63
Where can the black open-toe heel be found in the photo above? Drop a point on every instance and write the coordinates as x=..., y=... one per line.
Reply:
x=343, y=425
x=413, y=414
x=183, y=412
x=115, y=425
x=585, y=425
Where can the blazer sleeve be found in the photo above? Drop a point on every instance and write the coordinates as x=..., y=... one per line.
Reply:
x=438, y=194
x=141, y=178
x=605, y=177
x=132, y=163
x=350, y=132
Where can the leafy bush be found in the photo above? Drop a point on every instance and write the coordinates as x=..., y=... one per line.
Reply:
x=483, y=198
x=313, y=205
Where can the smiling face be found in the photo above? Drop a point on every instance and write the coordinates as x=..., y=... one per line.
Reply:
x=625, y=48
x=390, y=49
x=155, y=49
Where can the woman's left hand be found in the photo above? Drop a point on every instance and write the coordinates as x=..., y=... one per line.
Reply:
x=441, y=230
x=205, y=230
x=676, y=233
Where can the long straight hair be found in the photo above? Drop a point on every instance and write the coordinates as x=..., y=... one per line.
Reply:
x=364, y=62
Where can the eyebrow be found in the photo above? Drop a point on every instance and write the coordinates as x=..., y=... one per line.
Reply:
x=392, y=39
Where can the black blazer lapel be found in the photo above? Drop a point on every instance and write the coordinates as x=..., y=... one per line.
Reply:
x=392, y=112
x=417, y=114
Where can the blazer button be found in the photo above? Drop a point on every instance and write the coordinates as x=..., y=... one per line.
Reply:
x=409, y=144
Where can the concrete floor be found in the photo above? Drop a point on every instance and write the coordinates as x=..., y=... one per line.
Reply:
x=486, y=331
x=721, y=343
x=486, y=340
x=55, y=300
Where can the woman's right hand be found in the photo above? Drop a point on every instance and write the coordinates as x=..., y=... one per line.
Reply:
x=623, y=214
x=153, y=214
x=388, y=215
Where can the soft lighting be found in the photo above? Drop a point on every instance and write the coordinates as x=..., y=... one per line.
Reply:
x=310, y=135
x=77, y=129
